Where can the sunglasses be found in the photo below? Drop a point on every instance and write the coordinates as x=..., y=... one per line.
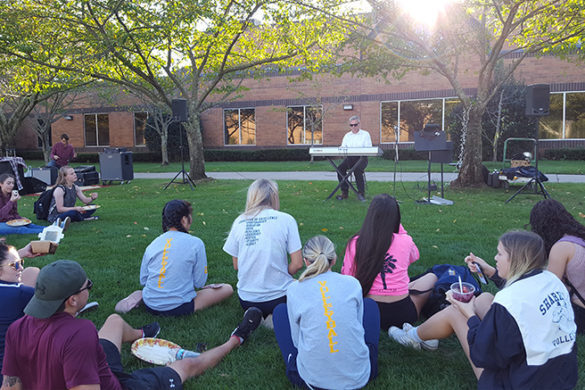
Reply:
x=353, y=124
x=16, y=265
x=88, y=287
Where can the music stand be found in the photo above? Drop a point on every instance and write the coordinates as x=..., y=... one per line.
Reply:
x=434, y=141
x=180, y=118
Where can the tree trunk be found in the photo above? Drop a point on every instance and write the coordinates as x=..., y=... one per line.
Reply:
x=196, y=157
x=470, y=173
x=498, y=128
x=164, y=151
x=46, y=147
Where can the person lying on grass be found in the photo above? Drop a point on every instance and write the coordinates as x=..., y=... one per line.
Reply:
x=524, y=337
x=173, y=266
x=49, y=348
x=336, y=348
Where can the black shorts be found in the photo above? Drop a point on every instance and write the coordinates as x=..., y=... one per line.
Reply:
x=397, y=313
x=266, y=307
x=579, y=318
x=144, y=379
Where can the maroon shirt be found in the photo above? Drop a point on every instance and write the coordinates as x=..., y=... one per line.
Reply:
x=59, y=352
x=8, y=209
x=65, y=153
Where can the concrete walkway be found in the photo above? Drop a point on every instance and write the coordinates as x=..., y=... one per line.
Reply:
x=331, y=176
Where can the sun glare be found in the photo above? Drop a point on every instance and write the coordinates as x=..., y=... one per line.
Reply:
x=424, y=12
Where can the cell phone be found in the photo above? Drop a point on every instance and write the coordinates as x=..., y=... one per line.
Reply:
x=480, y=273
x=15, y=192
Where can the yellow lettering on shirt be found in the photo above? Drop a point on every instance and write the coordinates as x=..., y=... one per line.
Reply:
x=163, y=264
x=328, y=313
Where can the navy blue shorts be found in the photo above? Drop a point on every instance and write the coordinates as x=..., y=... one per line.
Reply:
x=182, y=310
x=144, y=379
x=266, y=307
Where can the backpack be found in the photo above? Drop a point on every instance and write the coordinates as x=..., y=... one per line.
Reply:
x=41, y=205
x=447, y=274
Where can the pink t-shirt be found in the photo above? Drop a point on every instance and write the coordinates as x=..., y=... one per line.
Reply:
x=393, y=278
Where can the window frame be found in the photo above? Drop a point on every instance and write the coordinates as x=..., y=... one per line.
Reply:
x=239, y=144
x=304, y=135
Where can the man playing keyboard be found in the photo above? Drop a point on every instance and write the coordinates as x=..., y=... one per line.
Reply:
x=356, y=138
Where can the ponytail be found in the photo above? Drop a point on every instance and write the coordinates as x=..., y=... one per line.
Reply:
x=319, y=251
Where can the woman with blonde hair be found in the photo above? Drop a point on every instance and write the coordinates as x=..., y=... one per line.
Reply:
x=524, y=337
x=327, y=332
x=259, y=242
x=65, y=195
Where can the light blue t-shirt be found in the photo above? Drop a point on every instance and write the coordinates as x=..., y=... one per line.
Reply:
x=173, y=265
x=326, y=316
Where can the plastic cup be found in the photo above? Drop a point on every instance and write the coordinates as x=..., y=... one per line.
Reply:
x=466, y=294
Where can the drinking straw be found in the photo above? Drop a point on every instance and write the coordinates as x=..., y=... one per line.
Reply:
x=460, y=285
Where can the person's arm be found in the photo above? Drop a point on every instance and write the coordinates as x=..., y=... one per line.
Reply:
x=26, y=251
x=296, y=262
x=368, y=140
x=235, y=260
x=11, y=383
x=86, y=387
x=487, y=269
x=200, y=268
x=59, y=196
x=85, y=199
x=9, y=207
x=54, y=153
x=559, y=256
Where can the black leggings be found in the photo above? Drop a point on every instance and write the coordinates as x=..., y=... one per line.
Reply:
x=397, y=313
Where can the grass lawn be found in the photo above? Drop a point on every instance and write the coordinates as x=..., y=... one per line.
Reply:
x=374, y=165
x=111, y=249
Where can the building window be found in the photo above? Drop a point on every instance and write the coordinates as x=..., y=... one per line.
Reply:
x=305, y=125
x=140, y=119
x=574, y=115
x=239, y=126
x=551, y=126
x=97, y=130
x=403, y=118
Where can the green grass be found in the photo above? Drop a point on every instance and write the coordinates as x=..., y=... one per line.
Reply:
x=374, y=165
x=111, y=249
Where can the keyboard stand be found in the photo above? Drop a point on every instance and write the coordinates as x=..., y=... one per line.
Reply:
x=346, y=177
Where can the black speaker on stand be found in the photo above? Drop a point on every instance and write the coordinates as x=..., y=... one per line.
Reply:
x=180, y=115
x=537, y=105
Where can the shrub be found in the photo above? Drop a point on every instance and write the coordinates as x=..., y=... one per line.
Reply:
x=564, y=154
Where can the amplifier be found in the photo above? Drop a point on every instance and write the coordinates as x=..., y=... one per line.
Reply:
x=46, y=175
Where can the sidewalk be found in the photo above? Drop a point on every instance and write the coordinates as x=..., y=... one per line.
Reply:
x=331, y=176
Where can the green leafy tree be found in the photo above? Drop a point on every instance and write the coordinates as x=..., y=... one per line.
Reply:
x=473, y=37
x=200, y=51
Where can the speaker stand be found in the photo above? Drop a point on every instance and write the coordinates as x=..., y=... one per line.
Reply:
x=185, y=176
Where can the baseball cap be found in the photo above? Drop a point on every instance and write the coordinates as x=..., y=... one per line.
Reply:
x=56, y=282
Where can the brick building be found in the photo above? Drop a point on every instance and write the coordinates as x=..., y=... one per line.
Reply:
x=277, y=113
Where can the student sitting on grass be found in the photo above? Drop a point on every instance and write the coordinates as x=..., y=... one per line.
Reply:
x=327, y=332
x=258, y=242
x=16, y=286
x=379, y=256
x=64, y=197
x=524, y=337
x=51, y=349
x=173, y=265
x=564, y=241
x=9, y=208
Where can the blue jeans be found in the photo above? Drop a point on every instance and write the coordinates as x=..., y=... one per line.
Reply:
x=371, y=323
x=52, y=164
x=75, y=216
x=28, y=229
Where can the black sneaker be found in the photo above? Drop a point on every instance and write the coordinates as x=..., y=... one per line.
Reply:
x=250, y=322
x=151, y=330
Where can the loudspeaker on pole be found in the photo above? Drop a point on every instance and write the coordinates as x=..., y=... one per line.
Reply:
x=179, y=107
x=538, y=100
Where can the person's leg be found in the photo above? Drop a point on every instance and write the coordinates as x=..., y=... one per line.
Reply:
x=371, y=323
x=482, y=304
x=75, y=216
x=28, y=229
x=29, y=276
x=266, y=307
x=210, y=296
x=341, y=172
x=118, y=331
x=129, y=303
x=52, y=164
x=424, y=283
x=359, y=175
x=33, y=229
x=282, y=332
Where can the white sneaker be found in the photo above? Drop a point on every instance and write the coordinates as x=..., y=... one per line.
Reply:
x=429, y=345
x=402, y=337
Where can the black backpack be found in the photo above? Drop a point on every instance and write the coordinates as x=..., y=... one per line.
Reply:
x=41, y=206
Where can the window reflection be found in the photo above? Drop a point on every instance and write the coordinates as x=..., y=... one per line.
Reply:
x=305, y=125
x=239, y=126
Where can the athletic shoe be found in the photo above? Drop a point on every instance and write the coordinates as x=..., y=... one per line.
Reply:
x=250, y=322
x=57, y=222
x=402, y=337
x=361, y=197
x=343, y=196
x=129, y=303
x=429, y=345
x=65, y=224
x=151, y=330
